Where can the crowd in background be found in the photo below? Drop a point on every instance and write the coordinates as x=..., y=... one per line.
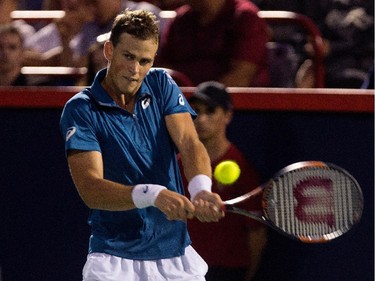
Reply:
x=217, y=40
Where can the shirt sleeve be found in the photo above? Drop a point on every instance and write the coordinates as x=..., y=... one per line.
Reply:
x=77, y=125
x=173, y=98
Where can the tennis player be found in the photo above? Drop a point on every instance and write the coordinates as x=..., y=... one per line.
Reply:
x=121, y=139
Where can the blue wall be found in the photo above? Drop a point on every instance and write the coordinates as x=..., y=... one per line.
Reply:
x=44, y=236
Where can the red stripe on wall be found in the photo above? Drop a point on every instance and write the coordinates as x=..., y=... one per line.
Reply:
x=274, y=99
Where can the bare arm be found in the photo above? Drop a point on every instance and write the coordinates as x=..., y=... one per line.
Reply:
x=194, y=156
x=52, y=57
x=241, y=74
x=86, y=168
x=195, y=161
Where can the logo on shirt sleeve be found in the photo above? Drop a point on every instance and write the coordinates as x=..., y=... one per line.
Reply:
x=181, y=99
x=70, y=132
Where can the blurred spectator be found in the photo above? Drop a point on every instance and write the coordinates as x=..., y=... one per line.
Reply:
x=347, y=27
x=348, y=34
x=11, y=48
x=66, y=42
x=306, y=7
x=52, y=5
x=31, y=4
x=221, y=40
x=166, y=5
x=8, y=6
x=232, y=248
x=286, y=49
x=283, y=64
x=96, y=60
x=51, y=44
x=105, y=12
x=360, y=18
x=369, y=81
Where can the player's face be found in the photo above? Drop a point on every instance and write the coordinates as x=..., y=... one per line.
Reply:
x=210, y=123
x=128, y=63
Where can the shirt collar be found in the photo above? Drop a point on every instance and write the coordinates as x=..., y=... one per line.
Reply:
x=103, y=98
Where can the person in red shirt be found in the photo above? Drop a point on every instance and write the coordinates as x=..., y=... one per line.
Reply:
x=222, y=40
x=233, y=247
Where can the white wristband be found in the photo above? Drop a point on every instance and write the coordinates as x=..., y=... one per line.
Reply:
x=199, y=183
x=144, y=195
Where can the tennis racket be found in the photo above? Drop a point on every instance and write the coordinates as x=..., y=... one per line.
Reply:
x=310, y=201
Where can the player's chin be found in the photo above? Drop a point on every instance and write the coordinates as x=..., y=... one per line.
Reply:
x=130, y=86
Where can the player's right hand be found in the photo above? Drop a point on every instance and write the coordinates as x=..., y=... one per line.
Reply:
x=208, y=206
x=174, y=205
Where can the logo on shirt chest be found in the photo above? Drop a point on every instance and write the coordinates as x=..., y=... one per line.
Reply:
x=145, y=102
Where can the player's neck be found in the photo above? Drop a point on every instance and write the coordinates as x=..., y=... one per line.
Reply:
x=124, y=100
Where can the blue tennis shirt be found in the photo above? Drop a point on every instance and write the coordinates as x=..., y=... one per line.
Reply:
x=136, y=149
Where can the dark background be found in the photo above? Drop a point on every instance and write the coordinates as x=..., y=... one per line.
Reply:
x=44, y=236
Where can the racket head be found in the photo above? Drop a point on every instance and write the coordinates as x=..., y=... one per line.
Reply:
x=312, y=201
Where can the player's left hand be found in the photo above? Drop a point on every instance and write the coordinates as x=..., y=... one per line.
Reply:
x=208, y=206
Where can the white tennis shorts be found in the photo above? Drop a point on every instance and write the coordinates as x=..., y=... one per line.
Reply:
x=104, y=267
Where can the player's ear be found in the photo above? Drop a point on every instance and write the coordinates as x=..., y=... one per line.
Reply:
x=108, y=50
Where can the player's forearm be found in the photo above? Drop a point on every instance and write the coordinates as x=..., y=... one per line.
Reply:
x=195, y=160
x=103, y=194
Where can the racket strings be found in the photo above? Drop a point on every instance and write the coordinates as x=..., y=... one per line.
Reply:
x=309, y=203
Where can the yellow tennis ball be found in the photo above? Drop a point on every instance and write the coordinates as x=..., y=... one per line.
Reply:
x=227, y=172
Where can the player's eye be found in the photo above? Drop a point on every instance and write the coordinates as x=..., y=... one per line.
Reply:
x=129, y=56
x=145, y=62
